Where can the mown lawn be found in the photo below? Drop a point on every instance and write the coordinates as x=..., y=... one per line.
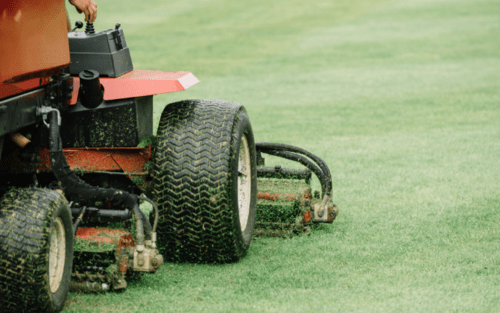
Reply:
x=402, y=100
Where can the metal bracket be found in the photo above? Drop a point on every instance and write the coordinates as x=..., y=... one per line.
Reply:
x=324, y=212
x=43, y=111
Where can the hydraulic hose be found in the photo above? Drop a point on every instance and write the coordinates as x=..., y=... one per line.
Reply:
x=77, y=187
x=326, y=187
x=157, y=213
x=79, y=220
x=290, y=152
x=284, y=147
x=139, y=224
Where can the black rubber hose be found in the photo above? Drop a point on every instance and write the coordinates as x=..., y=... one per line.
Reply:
x=281, y=146
x=325, y=188
x=144, y=218
x=157, y=213
x=327, y=178
x=79, y=220
x=139, y=224
x=75, y=186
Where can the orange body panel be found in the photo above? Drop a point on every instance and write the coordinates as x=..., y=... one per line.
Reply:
x=33, y=43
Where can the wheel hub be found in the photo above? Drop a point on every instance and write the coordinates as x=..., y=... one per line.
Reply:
x=244, y=182
x=57, y=254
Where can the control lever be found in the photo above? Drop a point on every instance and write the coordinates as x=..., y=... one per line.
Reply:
x=78, y=25
x=118, y=39
x=89, y=29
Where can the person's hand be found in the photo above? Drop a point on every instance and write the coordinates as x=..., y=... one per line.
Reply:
x=88, y=7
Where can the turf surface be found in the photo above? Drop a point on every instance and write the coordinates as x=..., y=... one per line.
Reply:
x=400, y=97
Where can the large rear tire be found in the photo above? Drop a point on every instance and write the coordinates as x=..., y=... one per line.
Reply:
x=205, y=181
x=36, y=250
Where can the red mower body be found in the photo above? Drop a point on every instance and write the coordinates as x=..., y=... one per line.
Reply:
x=34, y=44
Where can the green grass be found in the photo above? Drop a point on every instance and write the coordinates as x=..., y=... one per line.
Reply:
x=400, y=98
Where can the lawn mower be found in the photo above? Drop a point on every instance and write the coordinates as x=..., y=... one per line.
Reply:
x=79, y=165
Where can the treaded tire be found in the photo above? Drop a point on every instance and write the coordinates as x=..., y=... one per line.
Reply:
x=196, y=182
x=30, y=221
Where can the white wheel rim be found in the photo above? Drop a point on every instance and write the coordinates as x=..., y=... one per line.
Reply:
x=57, y=254
x=244, y=182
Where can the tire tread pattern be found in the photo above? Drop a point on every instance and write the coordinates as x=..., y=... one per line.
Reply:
x=192, y=182
x=24, y=232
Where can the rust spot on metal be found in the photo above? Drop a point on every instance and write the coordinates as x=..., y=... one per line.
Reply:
x=113, y=236
x=307, y=216
x=275, y=196
x=129, y=160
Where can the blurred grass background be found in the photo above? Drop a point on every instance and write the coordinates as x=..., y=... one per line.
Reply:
x=401, y=99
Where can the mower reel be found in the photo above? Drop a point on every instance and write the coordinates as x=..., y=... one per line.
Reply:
x=104, y=257
x=286, y=205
